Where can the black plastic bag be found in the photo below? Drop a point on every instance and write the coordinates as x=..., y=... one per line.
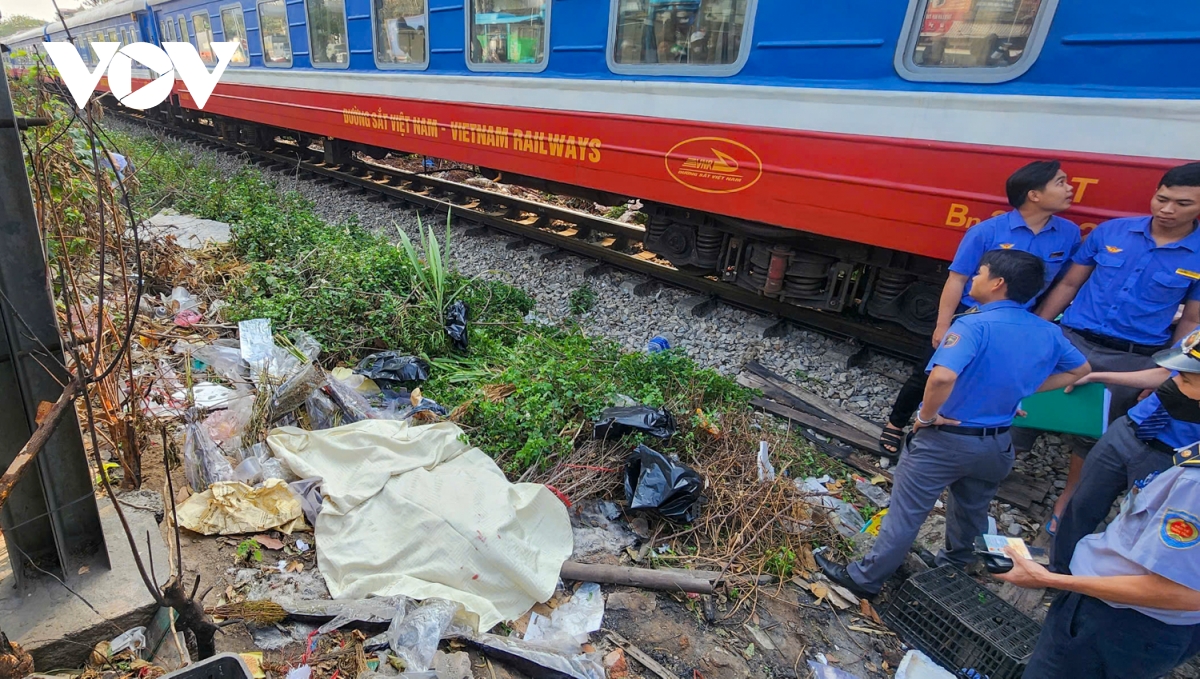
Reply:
x=456, y=324
x=654, y=482
x=617, y=422
x=389, y=369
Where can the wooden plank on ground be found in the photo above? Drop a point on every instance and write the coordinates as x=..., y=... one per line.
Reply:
x=795, y=396
x=859, y=462
x=1023, y=490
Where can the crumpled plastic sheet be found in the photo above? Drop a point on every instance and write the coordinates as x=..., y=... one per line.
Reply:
x=456, y=324
x=225, y=360
x=354, y=406
x=322, y=412
x=294, y=392
x=414, y=635
x=230, y=507
x=617, y=422
x=652, y=481
x=203, y=463
x=400, y=407
x=570, y=623
x=391, y=369
x=373, y=610
x=257, y=344
x=309, y=492
x=134, y=638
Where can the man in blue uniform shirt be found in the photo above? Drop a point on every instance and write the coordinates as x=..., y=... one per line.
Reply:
x=991, y=358
x=1037, y=193
x=1141, y=443
x=1124, y=287
x=1130, y=609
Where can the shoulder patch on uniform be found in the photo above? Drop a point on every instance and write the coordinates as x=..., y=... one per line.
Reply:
x=1188, y=274
x=1113, y=249
x=1007, y=246
x=951, y=339
x=1180, y=530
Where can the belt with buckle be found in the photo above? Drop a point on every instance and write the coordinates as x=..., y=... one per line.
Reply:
x=971, y=431
x=1116, y=344
x=1154, y=444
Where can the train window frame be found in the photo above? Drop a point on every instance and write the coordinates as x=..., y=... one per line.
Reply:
x=345, y=25
x=263, y=37
x=699, y=71
x=909, y=70
x=209, y=34
x=505, y=68
x=411, y=66
x=225, y=34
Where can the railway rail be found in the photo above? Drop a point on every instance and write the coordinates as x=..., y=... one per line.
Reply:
x=571, y=231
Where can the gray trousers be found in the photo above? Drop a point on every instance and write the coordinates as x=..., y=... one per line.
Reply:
x=1118, y=461
x=1102, y=359
x=972, y=467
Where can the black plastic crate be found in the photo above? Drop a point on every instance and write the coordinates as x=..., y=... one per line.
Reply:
x=220, y=666
x=944, y=613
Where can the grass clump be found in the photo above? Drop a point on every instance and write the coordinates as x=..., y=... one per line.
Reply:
x=582, y=299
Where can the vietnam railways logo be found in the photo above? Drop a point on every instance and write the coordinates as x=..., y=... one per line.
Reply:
x=1180, y=529
x=714, y=165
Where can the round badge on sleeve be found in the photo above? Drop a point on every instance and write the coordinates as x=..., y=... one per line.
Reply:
x=1180, y=530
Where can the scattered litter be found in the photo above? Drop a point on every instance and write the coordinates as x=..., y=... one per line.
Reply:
x=878, y=496
x=822, y=671
x=134, y=639
x=187, y=318
x=392, y=370
x=335, y=614
x=617, y=422
x=414, y=635
x=917, y=665
x=231, y=507
x=570, y=622
x=257, y=344
x=302, y=546
x=654, y=482
x=766, y=471
x=301, y=672
x=386, y=527
x=534, y=660
x=309, y=492
x=456, y=324
x=203, y=462
x=224, y=359
x=813, y=485
x=844, y=516
x=360, y=383
x=872, y=526
x=658, y=344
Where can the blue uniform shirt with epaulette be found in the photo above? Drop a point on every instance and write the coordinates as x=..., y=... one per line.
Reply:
x=1136, y=285
x=1157, y=531
x=1001, y=354
x=1054, y=244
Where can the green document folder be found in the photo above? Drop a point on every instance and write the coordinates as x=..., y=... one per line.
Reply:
x=1083, y=412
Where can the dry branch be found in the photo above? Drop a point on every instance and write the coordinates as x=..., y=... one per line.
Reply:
x=36, y=442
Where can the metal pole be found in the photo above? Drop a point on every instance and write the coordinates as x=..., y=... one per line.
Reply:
x=51, y=518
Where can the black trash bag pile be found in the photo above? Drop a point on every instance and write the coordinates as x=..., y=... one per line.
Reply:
x=456, y=324
x=391, y=370
x=653, y=482
x=617, y=422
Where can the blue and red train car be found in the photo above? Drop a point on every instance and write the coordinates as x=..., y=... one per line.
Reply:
x=848, y=143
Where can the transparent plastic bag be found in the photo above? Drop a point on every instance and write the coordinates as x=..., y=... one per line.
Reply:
x=225, y=360
x=203, y=462
x=257, y=344
x=295, y=391
x=414, y=636
x=354, y=406
x=322, y=412
x=373, y=610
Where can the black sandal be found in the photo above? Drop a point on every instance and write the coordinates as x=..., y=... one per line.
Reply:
x=891, y=437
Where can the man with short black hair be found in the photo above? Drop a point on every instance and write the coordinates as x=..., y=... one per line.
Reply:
x=1037, y=192
x=990, y=358
x=1124, y=287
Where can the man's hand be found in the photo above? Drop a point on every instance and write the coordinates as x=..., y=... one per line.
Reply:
x=1024, y=573
x=939, y=333
x=936, y=423
x=1086, y=379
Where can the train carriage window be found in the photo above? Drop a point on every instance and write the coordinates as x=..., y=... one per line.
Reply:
x=400, y=39
x=507, y=35
x=985, y=41
x=183, y=31
x=204, y=37
x=276, y=38
x=112, y=36
x=692, y=37
x=328, y=44
x=234, y=24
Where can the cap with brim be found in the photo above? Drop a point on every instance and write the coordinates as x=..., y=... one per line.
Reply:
x=1184, y=358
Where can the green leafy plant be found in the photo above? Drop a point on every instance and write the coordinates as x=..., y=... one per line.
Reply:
x=431, y=274
x=616, y=211
x=781, y=561
x=582, y=299
x=248, y=551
